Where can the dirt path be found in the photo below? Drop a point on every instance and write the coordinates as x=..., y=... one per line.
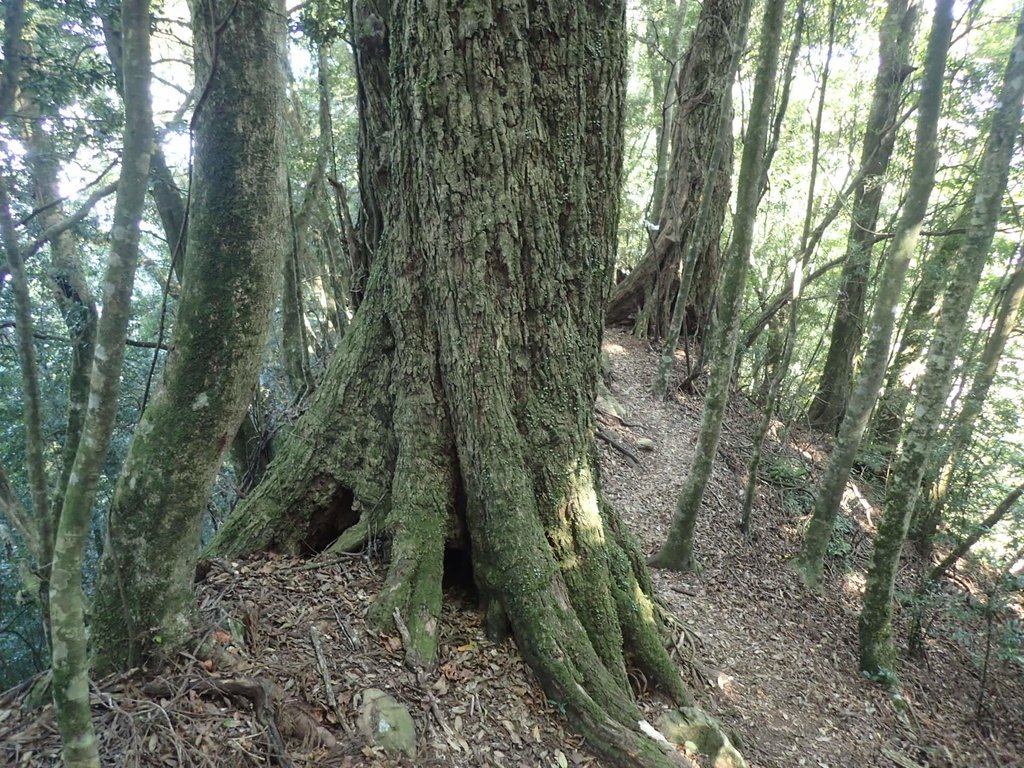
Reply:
x=781, y=662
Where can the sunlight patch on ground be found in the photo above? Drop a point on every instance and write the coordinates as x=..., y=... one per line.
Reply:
x=855, y=501
x=615, y=349
x=853, y=583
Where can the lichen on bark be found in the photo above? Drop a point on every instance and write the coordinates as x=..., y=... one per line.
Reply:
x=236, y=237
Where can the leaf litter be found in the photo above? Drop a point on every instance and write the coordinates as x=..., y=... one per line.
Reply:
x=277, y=679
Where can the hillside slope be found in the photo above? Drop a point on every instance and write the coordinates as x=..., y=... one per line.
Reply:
x=293, y=657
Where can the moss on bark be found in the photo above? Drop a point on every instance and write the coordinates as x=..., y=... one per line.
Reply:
x=461, y=399
x=236, y=238
x=877, y=652
x=677, y=551
x=703, y=76
x=829, y=493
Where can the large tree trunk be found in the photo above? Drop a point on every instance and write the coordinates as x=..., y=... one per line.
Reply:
x=877, y=652
x=836, y=383
x=460, y=403
x=237, y=236
x=829, y=493
x=648, y=293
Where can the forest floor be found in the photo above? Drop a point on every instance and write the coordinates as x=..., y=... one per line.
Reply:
x=776, y=664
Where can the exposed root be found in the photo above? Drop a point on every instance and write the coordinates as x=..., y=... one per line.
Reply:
x=352, y=538
x=258, y=692
x=319, y=480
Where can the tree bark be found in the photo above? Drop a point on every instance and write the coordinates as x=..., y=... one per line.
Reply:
x=877, y=653
x=960, y=435
x=67, y=614
x=774, y=378
x=834, y=386
x=70, y=291
x=167, y=197
x=461, y=398
x=677, y=551
x=829, y=493
x=912, y=349
x=648, y=293
x=237, y=238
x=664, y=63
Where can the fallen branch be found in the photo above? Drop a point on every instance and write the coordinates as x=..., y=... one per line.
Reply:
x=321, y=662
x=631, y=457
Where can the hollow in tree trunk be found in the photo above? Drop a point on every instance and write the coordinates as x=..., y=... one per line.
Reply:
x=459, y=405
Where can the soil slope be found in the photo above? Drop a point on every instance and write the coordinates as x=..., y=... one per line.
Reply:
x=292, y=654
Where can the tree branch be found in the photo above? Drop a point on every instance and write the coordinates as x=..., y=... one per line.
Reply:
x=983, y=528
x=4, y=324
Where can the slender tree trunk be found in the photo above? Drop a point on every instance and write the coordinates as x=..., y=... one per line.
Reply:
x=67, y=619
x=877, y=652
x=461, y=398
x=30, y=391
x=781, y=103
x=960, y=435
x=677, y=551
x=144, y=594
x=834, y=387
x=649, y=292
x=983, y=528
x=797, y=281
x=829, y=493
x=167, y=197
x=917, y=323
x=294, y=334
x=664, y=62
x=39, y=525
x=71, y=293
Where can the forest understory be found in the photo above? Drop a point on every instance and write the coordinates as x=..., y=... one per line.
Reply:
x=281, y=680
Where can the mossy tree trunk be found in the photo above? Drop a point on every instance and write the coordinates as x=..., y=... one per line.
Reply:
x=74, y=300
x=775, y=374
x=459, y=406
x=663, y=61
x=68, y=286
x=835, y=385
x=705, y=212
x=38, y=524
x=677, y=551
x=649, y=291
x=829, y=493
x=877, y=652
x=67, y=610
x=164, y=190
x=237, y=237
x=916, y=327
x=958, y=439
